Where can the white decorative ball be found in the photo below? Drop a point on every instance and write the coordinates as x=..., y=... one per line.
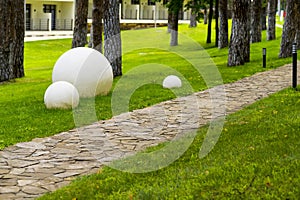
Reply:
x=87, y=69
x=172, y=81
x=61, y=94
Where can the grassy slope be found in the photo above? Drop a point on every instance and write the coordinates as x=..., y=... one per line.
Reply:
x=256, y=157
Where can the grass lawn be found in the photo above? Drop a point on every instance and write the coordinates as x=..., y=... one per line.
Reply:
x=256, y=157
x=24, y=116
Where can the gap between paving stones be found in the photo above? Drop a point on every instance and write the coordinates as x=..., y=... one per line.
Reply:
x=30, y=169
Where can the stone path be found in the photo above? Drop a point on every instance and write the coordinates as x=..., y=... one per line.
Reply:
x=28, y=170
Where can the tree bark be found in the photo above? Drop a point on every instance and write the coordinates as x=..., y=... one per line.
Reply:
x=239, y=47
x=289, y=29
x=256, y=29
x=80, y=28
x=264, y=18
x=210, y=16
x=12, y=31
x=205, y=16
x=217, y=22
x=174, y=28
x=112, y=35
x=271, y=33
x=223, y=36
x=193, y=21
x=96, y=31
x=298, y=29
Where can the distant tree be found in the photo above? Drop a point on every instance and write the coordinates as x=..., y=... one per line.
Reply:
x=174, y=7
x=210, y=16
x=217, y=22
x=112, y=35
x=194, y=13
x=96, y=31
x=80, y=28
x=256, y=21
x=223, y=36
x=239, y=47
x=12, y=33
x=289, y=28
x=263, y=16
x=271, y=33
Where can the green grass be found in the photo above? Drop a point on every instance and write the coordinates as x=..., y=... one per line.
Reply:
x=256, y=157
x=24, y=116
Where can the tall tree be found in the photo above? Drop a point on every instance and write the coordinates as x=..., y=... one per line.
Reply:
x=263, y=16
x=271, y=33
x=112, y=35
x=217, y=22
x=289, y=29
x=223, y=36
x=256, y=28
x=80, y=28
x=96, y=32
x=174, y=7
x=194, y=13
x=12, y=31
x=239, y=40
x=210, y=16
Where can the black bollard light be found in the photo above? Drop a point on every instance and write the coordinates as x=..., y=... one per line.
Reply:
x=264, y=57
x=294, y=65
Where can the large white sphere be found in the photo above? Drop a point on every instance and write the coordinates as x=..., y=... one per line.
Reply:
x=87, y=69
x=172, y=81
x=61, y=94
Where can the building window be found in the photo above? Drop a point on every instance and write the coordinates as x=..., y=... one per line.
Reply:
x=135, y=2
x=48, y=8
x=151, y=2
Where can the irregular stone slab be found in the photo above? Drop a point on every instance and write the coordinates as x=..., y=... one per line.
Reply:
x=31, y=145
x=33, y=190
x=9, y=189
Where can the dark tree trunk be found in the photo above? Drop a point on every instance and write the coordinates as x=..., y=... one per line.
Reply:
x=12, y=33
x=80, y=28
x=205, y=16
x=223, y=36
x=112, y=35
x=217, y=23
x=239, y=47
x=210, y=16
x=298, y=29
x=193, y=21
x=271, y=33
x=96, y=32
x=256, y=21
x=169, y=21
x=289, y=29
x=174, y=28
x=264, y=18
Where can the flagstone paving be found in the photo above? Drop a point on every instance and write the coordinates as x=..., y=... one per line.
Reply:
x=30, y=169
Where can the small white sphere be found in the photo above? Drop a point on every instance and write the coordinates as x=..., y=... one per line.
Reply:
x=172, y=81
x=61, y=94
x=87, y=69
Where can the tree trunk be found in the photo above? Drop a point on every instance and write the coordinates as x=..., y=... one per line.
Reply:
x=96, y=31
x=193, y=21
x=112, y=35
x=223, y=36
x=205, y=16
x=239, y=41
x=12, y=33
x=217, y=23
x=210, y=16
x=80, y=28
x=298, y=29
x=169, y=21
x=264, y=18
x=271, y=33
x=174, y=28
x=256, y=21
x=289, y=29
